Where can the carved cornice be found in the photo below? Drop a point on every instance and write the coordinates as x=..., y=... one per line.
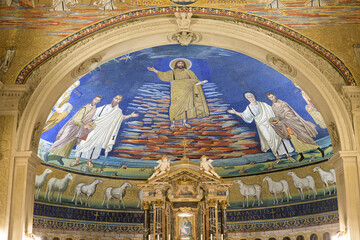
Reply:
x=352, y=93
x=10, y=95
x=342, y=158
x=29, y=159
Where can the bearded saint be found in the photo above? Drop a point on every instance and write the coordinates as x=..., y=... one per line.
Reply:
x=187, y=97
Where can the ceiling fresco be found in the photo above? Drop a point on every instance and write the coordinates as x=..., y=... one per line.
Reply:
x=211, y=114
x=298, y=15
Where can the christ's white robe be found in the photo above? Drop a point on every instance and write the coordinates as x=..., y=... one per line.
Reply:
x=261, y=113
x=108, y=120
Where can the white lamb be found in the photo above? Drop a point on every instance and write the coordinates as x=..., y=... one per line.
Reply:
x=116, y=193
x=328, y=177
x=88, y=190
x=247, y=191
x=59, y=185
x=40, y=181
x=278, y=187
x=303, y=184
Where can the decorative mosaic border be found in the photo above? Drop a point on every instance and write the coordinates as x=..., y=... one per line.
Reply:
x=233, y=227
x=250, y=18
x=269, y=225
x=276, y=213
x=66, y=225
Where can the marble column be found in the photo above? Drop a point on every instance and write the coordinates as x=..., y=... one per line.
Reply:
x=212, y=218
x=223, y=230
x=146, y=206
x=159, y=205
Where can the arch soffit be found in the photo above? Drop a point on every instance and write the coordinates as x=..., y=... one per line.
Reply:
x=317, y=76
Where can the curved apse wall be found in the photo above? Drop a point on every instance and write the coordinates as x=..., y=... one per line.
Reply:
x=239, y=147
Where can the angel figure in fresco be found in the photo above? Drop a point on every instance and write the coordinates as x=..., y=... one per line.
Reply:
x=162, y=167
x=187, y=97
x=207, y=167
x=61, y=109
x=288, y=124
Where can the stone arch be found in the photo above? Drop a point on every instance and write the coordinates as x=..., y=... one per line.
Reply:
x=317, y=76
x=311, y=72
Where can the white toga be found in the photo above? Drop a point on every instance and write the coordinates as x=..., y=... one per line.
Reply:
x=261, y=113
x=108, y=120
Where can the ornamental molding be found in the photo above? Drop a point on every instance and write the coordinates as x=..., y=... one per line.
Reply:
x=10, y=95
x=184, y=36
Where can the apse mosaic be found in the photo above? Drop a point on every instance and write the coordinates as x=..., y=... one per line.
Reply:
x=122, y=117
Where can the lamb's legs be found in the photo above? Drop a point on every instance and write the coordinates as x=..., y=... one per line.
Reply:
x=327, y=186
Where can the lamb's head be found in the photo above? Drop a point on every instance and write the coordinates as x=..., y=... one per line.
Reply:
x=48, y=171
x=127, y=184
x=239, y=182
x=97, y=181
x=69, y=176
x=266, y=178
x=291, y=174
x=316, y=169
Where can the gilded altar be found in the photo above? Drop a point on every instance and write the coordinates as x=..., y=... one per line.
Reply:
x=186, y=202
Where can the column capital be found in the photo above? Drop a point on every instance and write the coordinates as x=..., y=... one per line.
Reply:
x=342, y=158
x=146, y=205
x=211, y=202
x=27, y=157
x=353, y=94
x=10, y=97
x=159, y=203
x=223, y=204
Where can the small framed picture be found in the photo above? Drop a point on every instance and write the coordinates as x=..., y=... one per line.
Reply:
x=186, y=226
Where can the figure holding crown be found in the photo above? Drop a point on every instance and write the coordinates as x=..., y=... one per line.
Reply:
x=187, y=97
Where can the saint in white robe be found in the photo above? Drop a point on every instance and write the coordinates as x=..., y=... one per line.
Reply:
x=108, y=120
x=261, y=113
